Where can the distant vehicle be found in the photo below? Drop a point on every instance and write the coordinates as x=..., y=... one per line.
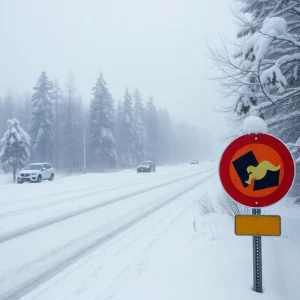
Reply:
x=146, y=166
x=36, y=173
x=195, y=162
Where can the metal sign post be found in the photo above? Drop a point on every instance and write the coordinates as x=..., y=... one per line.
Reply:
x=257, y=170
x=257, y=259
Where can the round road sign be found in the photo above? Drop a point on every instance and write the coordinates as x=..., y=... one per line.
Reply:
x=257, y=170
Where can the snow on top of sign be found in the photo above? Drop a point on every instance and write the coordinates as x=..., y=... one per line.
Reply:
x=253, y=124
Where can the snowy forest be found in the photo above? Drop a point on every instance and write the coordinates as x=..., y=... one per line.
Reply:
x=56, y=125
x=260, y=71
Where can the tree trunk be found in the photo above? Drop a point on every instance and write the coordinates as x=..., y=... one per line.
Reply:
x=14, y=174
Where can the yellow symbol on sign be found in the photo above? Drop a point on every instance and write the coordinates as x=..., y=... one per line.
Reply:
x=260, y=171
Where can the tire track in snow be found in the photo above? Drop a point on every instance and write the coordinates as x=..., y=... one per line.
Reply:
x=108, y=187
x=160, y=225
x=30, y=228
x=63, y=201
x=112, y=186
x=29, y=199
x=29, y=284
x=177, y=215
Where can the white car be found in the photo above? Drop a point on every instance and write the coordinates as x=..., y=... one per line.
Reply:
x=36, y=173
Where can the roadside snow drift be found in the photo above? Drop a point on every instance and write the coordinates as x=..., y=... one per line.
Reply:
x=156, y=244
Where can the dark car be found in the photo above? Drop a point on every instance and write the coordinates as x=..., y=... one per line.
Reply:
x=146, y=166
x=195, y=162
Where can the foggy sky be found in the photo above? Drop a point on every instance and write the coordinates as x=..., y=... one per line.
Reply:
x=156, y=46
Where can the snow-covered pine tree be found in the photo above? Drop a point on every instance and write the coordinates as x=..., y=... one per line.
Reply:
x=14, y=148
x=254, y=72
x=69, y=144
x=128, y=157
x=273, y=50
x=57, y=101
x=42, y=119
x=265, y=68
x=78, y=131
x=2, y=114
x=164, y=137
x=118, y=129
x=151, y=124
x=139, y=130
x=258, y=11
x=17, y=106
x=72, y=122
x=102, y=121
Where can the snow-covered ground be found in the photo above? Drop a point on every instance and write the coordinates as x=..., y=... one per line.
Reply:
x=136, y=236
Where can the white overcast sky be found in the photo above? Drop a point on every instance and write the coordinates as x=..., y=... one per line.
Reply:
x=157, y=46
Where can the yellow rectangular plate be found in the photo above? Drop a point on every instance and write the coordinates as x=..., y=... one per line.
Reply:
x=261, y=225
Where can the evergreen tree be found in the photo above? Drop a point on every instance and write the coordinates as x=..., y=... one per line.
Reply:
x=151, y=129
x=118, y=129
x=42, y=119
x=139, y=127
x=58, y=121
x=258, y=11
x=69, y=105
x=164, y=137
x=102, y=121
x=15, y=148
x=264, y=69
x=72, y=128
x=271, y=54
x=128, y=151
x=2, y=115
x=57, y=99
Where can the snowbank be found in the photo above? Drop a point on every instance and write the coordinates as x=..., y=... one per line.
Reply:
x=8, y=178
x=5, y=178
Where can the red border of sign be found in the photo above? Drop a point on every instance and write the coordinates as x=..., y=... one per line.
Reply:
x=270, y=141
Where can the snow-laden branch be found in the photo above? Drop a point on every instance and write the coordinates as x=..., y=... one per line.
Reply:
x=266, y=68
x=287, y=58
x=258, y=46
x=285, y=117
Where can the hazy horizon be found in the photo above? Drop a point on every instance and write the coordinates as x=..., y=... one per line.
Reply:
x=156, y=46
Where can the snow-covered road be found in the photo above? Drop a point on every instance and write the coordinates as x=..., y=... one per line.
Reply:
x=47, y=230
